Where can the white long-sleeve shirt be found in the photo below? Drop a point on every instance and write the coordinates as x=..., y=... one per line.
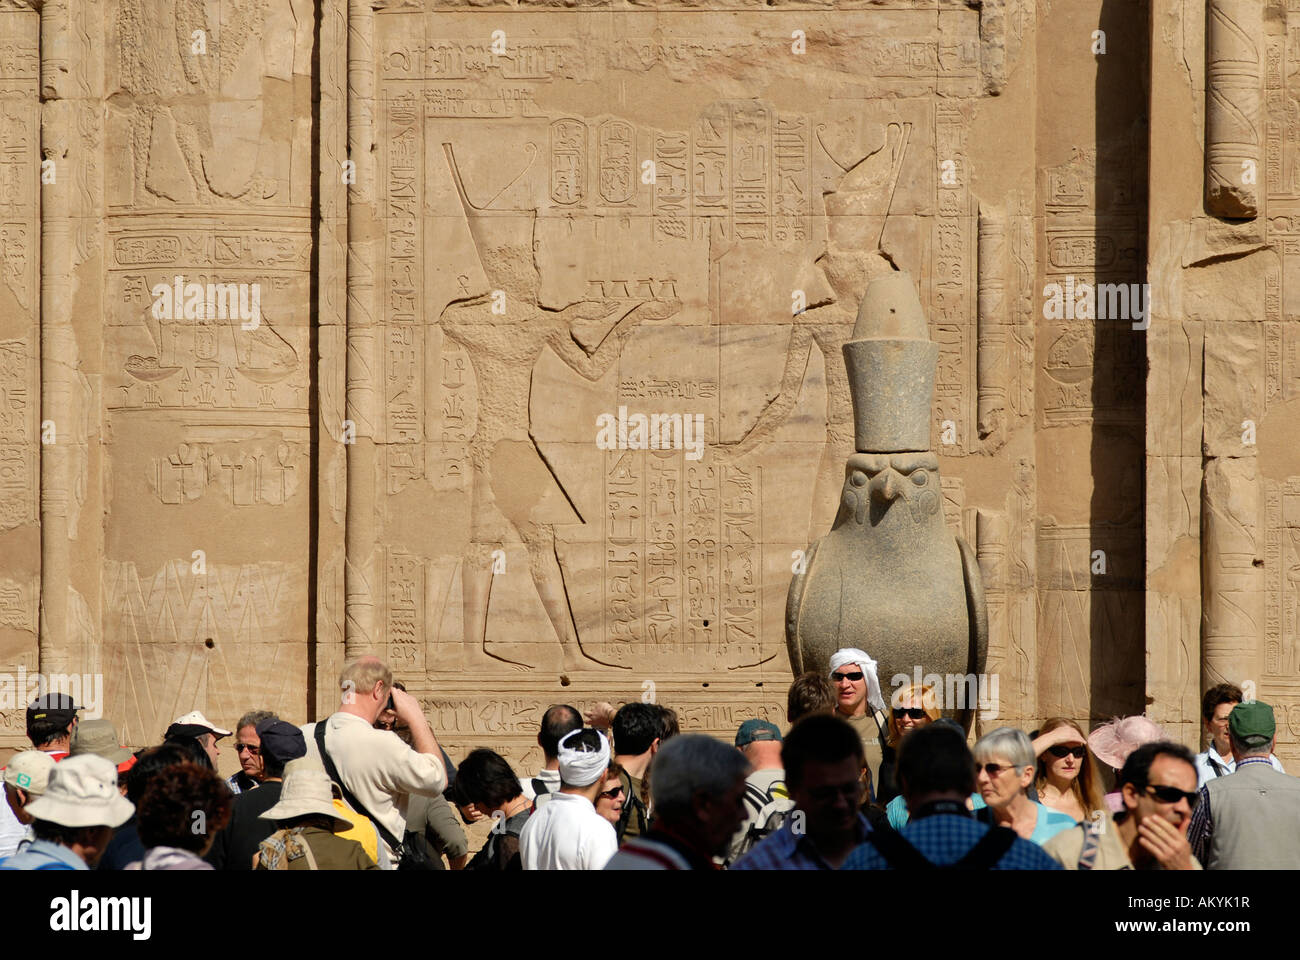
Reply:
x=566, y=833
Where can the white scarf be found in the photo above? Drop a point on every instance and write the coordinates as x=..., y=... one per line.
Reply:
x=579, y=768
x=849, y=655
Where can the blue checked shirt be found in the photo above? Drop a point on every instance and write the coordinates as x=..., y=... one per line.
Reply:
x=945, y=838
x=785, y=851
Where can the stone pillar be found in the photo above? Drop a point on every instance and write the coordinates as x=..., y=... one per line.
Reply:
x=363, y=337
x=1232, y=571
x=1233, y=91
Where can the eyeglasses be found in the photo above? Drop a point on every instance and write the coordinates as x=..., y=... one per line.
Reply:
x=855, y=676
x=916, y=713
x=611, y=794
x=993, y=769
x=241, y=747
x=1172, y=794
x=1063, y=751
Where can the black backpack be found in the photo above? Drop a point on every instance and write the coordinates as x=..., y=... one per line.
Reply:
x=901, y=855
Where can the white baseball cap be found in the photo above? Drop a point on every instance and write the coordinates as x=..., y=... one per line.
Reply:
x=196, y=719
x=30, y=771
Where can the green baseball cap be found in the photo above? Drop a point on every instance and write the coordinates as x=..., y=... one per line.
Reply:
x=1252, y=723
x=753, y=730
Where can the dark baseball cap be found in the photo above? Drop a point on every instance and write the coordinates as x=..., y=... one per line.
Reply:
x=52, y=706
x=1252, y=723
x=754, y=730
x=281, y=740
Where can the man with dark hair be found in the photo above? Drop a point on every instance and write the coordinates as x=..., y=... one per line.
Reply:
x=1251, y=819
x=74, y=819
x=486, y=782
x=698, y=783
x=235, y=845
x=937, y=774
x=567, y=833
x=823, y=759
x=558, y=722
x=1157, y=786
x=248, y=750
x=638, y=729
x=1217, y=760
x=809, y=693
x=50, y=720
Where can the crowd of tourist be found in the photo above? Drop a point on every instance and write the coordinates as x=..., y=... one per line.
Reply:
x=854, y=783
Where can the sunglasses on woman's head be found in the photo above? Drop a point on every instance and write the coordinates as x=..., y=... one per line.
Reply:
x=916, y=713
x=1062, y=751
x=855, y=676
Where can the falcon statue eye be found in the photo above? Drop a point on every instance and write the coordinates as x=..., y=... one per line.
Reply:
x=858, y=478
x=920, y=477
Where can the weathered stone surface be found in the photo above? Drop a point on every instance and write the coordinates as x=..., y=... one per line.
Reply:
x=526, y=217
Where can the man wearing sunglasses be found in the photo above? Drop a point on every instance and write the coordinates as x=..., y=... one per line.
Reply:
x=248, y=749
x=858, y=701
x=1247, y=820
x=1158, y=789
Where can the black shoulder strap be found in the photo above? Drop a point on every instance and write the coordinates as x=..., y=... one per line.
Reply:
x=1218, y=768
x=990, y=849
x=393, y=843
x=898, y=853
x=756, y=797
x=539, y=787
x=630, y=802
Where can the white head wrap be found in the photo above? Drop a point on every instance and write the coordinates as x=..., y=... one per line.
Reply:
x=583, y=768
x=849, y=655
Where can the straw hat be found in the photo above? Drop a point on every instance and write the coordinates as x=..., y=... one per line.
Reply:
x=306, y=789
x=1112, y=742
x=30, y=771
x=82, y=792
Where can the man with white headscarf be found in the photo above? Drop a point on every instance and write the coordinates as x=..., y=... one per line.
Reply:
x=858, y=700
x=567, y=833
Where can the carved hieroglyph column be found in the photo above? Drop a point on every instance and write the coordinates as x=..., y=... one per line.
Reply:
x=71, y=138
x=1233, y=92
x=1232, y=571
x=991, y=364
x=364, y=239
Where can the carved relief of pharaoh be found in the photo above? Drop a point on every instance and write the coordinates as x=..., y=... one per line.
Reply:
x=890, y=577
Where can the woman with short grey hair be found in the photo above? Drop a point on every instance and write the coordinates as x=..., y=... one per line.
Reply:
x=1004, y=768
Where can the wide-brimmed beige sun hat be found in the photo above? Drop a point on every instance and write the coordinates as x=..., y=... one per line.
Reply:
x=82, y=792
x=306, y=790
x=100, y=738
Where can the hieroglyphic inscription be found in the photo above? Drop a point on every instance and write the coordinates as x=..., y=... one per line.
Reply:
x=681, y=559
x=617, y=159
x=403, y=262
x=951, y=287
x=404, y=616
x=19, y=455
x=182, y=362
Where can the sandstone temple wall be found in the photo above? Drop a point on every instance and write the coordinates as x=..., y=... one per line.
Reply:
x=480, y=227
